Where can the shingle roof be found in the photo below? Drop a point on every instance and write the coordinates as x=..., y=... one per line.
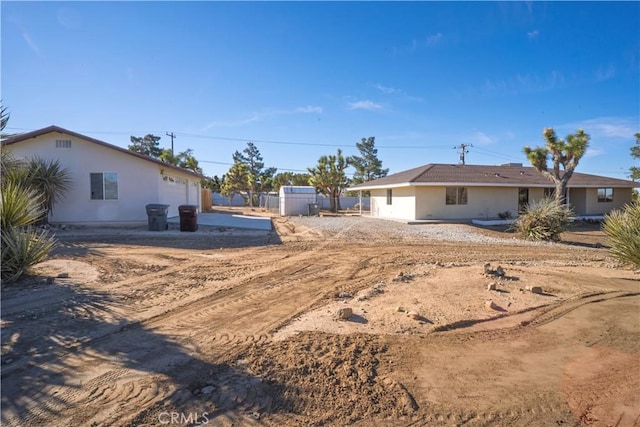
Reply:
x=58, y=129
x=510, y=175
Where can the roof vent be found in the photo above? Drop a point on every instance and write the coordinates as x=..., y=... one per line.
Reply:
x=512, y=165
x=497, y=175
x=521, y=172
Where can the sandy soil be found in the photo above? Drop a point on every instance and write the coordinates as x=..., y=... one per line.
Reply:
x=224, y=327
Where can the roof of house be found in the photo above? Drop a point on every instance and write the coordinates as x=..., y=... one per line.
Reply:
x=49, y=129
x=509, y=175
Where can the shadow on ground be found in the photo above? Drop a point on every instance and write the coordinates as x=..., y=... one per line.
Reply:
x=52, y=330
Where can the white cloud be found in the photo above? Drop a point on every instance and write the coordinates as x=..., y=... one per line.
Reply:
x=364, y=105
x=399, y=92
x=607, y=73
x=309, y=109
x=533, y=34
x=605, y=127
x=434, y=39
x=482, y=138
x=387, y=90
x=68, y=17
x=593, y=152
x=264, y=115
x=525, y=83
x=32, y=45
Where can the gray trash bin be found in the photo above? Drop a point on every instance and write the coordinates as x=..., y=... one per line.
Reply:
x=314, y=209
x=157, y=215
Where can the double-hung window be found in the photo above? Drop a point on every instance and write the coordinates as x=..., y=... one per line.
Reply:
x=605, y=195
x=456, y=196
x=104, y=186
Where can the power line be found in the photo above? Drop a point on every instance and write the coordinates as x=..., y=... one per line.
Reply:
x=463, y=151
x=264, y=141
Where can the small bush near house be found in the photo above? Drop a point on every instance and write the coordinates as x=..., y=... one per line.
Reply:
x=21, y=206
x=543, y=220
x=622, y=227
x=22, y=248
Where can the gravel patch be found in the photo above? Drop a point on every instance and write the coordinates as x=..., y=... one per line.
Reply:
x=359, y=228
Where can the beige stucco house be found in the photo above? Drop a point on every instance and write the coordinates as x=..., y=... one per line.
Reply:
x=468, y=192
x=110, y=185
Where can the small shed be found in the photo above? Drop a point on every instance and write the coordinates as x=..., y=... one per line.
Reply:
x=297, y=200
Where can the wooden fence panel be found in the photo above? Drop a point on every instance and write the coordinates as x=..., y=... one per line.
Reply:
x=205, y=200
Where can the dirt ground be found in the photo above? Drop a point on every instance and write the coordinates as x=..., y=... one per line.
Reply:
x=234, y=328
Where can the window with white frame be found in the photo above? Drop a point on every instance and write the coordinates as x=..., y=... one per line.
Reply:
x=605, y=195
x=456, y=196
x=104, y=186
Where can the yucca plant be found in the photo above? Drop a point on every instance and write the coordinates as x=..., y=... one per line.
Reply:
x=543, y=220
x=50, y=179
x=22, y=248
x=21, y=206
x=622, y=227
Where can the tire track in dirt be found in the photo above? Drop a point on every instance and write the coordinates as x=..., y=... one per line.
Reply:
x=583, y=400
x=562, y=308
x=199, y=314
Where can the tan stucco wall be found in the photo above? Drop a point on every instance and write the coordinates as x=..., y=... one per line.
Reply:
x=482, y=202
x=403, y=204
x=428, y=203
x=139, y=181
x=621, y=197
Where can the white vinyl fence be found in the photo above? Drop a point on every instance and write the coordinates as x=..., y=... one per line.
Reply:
x=272, y=202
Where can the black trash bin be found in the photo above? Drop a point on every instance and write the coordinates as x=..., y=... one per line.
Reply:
x=188, y=217
x=314, y=209
x=157, y=215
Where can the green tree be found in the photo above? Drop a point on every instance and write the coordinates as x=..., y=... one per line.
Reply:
x=635, y=153
x=148, y=145
x=290, y=178
x=236, y=181
x=367, y=165
x=329, y=178
x=213, y=183
x=184, y=159
x=563, y=153
x=258, y=177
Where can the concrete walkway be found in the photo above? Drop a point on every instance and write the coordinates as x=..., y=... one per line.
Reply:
x=229, y=220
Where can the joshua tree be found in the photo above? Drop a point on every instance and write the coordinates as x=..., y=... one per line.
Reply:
x=563, y=153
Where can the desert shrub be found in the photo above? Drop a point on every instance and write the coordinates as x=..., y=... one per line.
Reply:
x=22, y=248
x=21, y=205
x=544, y=220
x=622, y=227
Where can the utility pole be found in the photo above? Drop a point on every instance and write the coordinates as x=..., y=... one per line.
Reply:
x=463, y=151
x=172, y=136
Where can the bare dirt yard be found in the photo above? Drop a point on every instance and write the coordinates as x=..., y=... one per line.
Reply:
x=227, y=327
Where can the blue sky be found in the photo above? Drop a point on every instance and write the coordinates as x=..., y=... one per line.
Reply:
x=301, y=80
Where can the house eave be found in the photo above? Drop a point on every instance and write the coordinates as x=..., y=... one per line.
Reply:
x=56, y=129
x=484, y=184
